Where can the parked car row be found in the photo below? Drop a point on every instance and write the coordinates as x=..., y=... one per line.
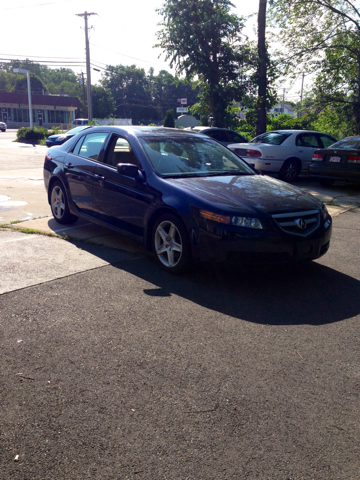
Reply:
x=286, y=153
x=183, y=195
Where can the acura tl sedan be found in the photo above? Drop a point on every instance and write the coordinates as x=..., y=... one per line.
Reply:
x=286, y=153
x=184, y=196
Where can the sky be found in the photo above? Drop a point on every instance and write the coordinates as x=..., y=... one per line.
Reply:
x=123, y=32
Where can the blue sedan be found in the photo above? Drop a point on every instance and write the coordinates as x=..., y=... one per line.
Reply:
x=64, y=137
x=184, y=196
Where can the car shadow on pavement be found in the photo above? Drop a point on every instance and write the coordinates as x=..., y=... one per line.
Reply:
x=305, y=293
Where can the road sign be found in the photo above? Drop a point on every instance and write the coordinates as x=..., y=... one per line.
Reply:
x=182, y=101
x=182, y=110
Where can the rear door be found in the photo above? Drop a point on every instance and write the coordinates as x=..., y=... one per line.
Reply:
x=80, y=167
x=306, y=144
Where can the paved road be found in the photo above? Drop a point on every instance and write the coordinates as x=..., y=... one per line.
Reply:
x=112, y=369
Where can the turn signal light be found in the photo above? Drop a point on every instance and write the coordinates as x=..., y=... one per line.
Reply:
x=214, y=217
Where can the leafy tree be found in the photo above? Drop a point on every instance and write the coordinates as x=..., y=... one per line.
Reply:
x=130, y=89
x=36, y=84
x=202, y=39
x=329, y=45
x=262, y=69
x=169, y=120
x=102, y=102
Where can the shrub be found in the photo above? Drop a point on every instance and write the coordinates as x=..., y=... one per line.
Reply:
x=169, y=120
x=26, y=135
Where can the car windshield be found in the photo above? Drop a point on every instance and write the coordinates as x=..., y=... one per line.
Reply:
x=272, y=138
x=349, y=143
x=191, y=156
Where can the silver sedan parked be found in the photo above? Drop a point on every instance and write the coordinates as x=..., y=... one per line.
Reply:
x=284, y=152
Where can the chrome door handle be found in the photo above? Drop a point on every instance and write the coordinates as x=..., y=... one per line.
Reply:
x=101, y=179
x=69, y=165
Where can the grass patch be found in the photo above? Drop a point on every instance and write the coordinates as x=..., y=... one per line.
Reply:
x=332, y=203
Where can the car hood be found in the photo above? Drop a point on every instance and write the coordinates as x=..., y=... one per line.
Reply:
x=255, y=194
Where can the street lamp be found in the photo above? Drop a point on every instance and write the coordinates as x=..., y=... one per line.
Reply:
x=23, y=70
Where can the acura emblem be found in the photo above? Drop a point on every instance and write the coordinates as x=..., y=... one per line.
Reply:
x=300, y=223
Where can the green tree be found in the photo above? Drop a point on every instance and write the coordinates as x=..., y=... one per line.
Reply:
x=329, y=46
x=130, y=89
x=202, y=39
x=102, y=102
x=169, y=120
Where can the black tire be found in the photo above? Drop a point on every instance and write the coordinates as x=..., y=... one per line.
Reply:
x=171, y=244
x=59, y=205
x=326, y=182
x=290, y=170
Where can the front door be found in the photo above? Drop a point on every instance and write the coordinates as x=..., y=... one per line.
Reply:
x=120, y=200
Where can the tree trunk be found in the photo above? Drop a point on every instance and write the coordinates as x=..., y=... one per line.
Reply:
x=262, y=70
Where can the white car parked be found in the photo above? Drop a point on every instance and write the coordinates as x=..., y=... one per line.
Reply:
x=3, y=126
x=285, y=152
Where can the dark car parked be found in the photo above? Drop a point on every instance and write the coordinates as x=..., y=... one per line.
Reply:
x=222, y=135
x=63, y=137
x=185, y=196
x=341, y=161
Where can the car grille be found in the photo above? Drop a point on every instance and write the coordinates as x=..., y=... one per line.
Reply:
x=299, y=223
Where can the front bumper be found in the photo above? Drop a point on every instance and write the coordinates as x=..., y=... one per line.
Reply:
x=265, y=248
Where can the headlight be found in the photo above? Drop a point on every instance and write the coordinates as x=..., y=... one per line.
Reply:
x=326, y=216
x=247, y=222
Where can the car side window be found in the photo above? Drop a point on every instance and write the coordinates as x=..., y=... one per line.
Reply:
x=307, y=140
x=91, y=146
x=119, y=151
x=234, y=137
x=218, y=135
x=326, y=141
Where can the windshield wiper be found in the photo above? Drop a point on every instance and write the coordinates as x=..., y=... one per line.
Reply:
x=229, y=172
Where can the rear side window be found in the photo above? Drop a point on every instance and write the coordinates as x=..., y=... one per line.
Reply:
x=218, y=135
x=327, y=141
x=91, y=146
x=309, y=140
x=272, y=138
x=235, y=137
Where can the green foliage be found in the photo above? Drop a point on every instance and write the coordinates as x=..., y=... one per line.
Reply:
x=26, y=135
x=202, y=39
x=329, y=47
x=287, y=122
x=103, y=102
x=169, y=120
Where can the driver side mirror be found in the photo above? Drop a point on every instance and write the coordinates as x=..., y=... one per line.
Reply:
x=130, y=170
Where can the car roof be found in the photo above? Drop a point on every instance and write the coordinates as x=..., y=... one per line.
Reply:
x=294, y=131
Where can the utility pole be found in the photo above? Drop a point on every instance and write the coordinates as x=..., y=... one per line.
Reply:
x=282, y=109
x=88, y=74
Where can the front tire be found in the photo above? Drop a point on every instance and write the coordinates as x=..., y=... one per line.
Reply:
x=290, y=170
x=59, y=205
x=171, y=244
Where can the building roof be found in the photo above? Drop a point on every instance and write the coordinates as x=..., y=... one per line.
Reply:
x=48, y=100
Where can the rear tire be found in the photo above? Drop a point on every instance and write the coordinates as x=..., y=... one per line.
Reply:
x=290, y=170
x=171, y=244
x=60, y=206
